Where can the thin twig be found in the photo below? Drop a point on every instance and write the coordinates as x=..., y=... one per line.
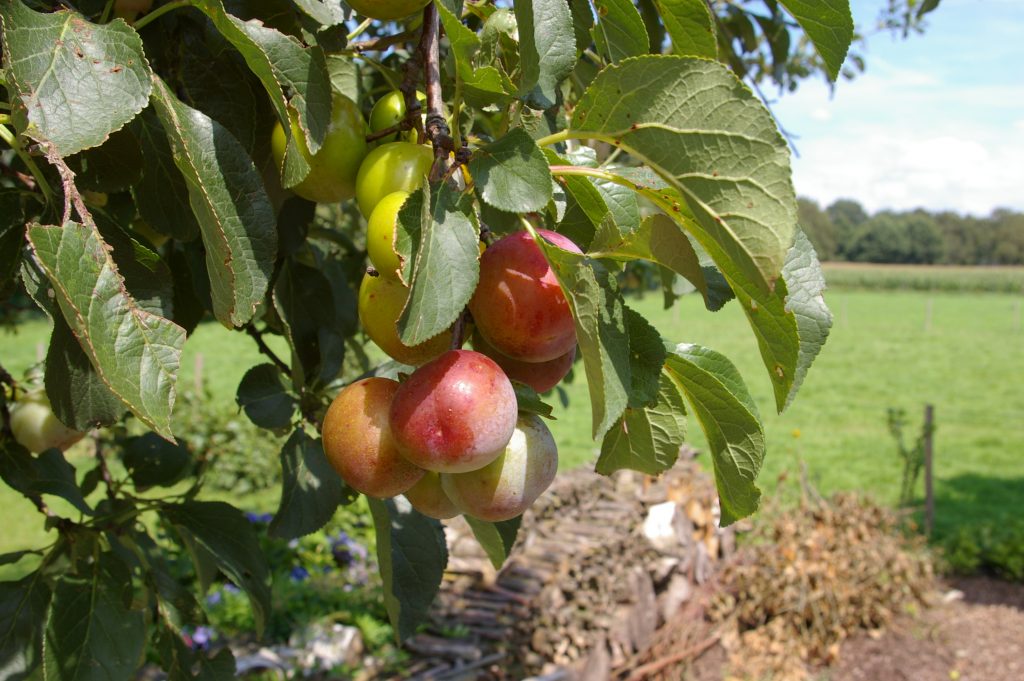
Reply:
x=696, y=651
x=108, y=479
x=459, y=330
x=437, y=127
x=383, y=42
x=404, y=125
x=265, y=349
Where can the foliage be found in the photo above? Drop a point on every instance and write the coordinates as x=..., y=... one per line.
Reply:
x=995, y=549
x=143, y=197
x=953, y=279
x=844, y=231
x=813, y=576
x=912, y=456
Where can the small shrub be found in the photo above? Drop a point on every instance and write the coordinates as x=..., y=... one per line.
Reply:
x=994, y=549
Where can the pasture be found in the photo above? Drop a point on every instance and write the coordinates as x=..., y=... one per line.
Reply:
x=890, y=347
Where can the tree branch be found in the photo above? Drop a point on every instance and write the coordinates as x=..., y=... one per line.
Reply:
x=437, y=127
x=250, y=329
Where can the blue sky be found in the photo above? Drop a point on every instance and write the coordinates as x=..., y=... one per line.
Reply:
x=936, y=121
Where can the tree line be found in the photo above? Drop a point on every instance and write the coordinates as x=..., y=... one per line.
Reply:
x=845, y=231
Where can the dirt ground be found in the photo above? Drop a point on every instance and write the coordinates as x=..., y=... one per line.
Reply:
x=976, y=637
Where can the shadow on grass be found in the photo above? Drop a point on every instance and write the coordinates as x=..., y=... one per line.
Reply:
x=974, y=500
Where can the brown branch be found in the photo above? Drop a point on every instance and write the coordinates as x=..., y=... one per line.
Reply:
x=403, y=126
x=383, y=42
x=694, y=652
x=459, y=330
x=108, y=479
x=437, y=127
x=250, y=329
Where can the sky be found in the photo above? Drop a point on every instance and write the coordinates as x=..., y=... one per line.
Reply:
x=936, y=121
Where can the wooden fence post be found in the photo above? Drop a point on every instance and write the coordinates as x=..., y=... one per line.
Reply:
x=929, y=495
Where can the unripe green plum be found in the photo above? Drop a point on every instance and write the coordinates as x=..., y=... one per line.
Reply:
x=389, y=111
x=358, y=443
x=455, y=413
x=386, y=9
x=36, y=427
x=510, y=484
x=518, y=306
x=381, y=300
x=380, y=234
x=335, y=166
x=142, y=228
x=427, y=497
x=541, y=376
x=392, y=167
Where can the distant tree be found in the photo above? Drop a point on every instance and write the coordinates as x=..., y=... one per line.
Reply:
x=1008, y=232
x=847, y=216
x=925, y=245
x=818, y=227
x=882, y=239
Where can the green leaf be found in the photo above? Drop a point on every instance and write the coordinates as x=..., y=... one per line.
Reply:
x=646, y=357
x=661, y=241
x=222, y=531
x=829, y=25
x=446, y=267
x=71, y=82
x=264, y=397
x=482, y=84
x=311, y=490
x=530, y=402
x=304, y=302
x=112, y=167
x=620, y=31
x=600, y=330
x=497, y=539
x=23, y=606
x=647, y=439
x=512, y=173
x=230, y=204
x=805, y=284
x=690, y=26
x=727, y=414
x=327, y=12
x=135, y=353
x=48, y=473
x=296, y=69
x=926, y=7
x=91, y=634
x=412, y=555
x=152, y=461
x=694, y=124
x=547, y=49
x=146, y=275
x=582, y=22
x=12, y=237
x=622, y=203
x=77, y=393
x=161, y=195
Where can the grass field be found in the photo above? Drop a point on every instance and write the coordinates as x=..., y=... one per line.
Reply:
x=964, y=353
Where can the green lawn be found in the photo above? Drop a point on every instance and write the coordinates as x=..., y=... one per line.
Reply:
x=968, y=362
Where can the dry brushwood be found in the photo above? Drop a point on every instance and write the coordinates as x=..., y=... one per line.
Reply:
x=812, y=577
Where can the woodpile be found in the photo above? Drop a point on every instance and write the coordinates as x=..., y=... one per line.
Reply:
x=600, y=564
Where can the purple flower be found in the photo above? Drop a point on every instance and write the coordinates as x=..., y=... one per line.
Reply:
x=231, y=588
x=293, y=544
x=214, y=597
x=201, y=638
x=299, y=574
x=259, y=518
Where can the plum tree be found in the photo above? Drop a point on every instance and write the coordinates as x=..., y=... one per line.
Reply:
x=380, y=234
x=333, y=169
x=381, y=300
x=387, y=9
x=36, y=427
x=428, y=497
x=392, y=167
x=541, y=376
x=510, y=484
x=358, y=443
x=455, y=413
x=518, y=306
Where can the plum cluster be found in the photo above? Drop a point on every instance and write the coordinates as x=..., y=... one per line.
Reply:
x=451, y=437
